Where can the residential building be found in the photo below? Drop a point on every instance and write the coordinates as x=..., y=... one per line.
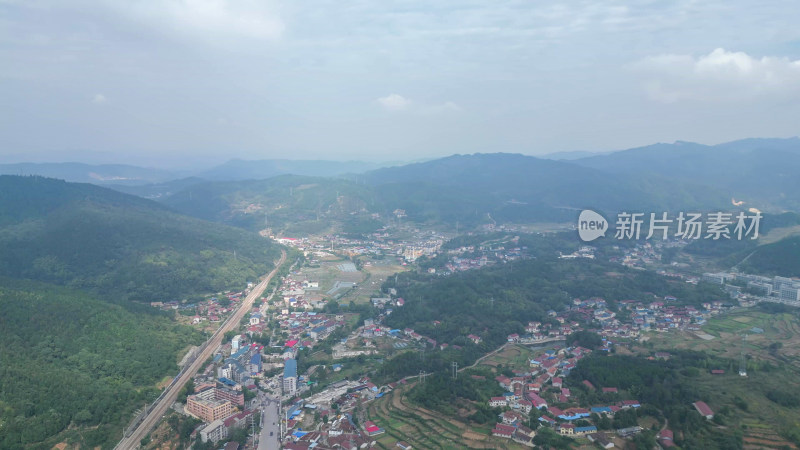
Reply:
x=290, y=377
x=214, y=432
x=208, y=410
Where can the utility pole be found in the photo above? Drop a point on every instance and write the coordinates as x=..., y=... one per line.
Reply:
x=455, y=370
x=742, y=362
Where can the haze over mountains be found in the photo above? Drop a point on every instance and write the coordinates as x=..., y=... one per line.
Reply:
x=471, y=189
x=80, y=251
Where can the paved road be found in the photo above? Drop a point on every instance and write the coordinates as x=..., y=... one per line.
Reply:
x=158, y=410
x=270, y=423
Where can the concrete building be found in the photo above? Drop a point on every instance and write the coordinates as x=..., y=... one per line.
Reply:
x=236, y=343
x=290, y=377
x=208, y=410
x=761, y=288
x=717, y=278
x=214, y=432
x=790, y=293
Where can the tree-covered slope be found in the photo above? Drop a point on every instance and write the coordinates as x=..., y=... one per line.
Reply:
x=519, y=188
x=119, y=245
x=289, y=203
x=469, y=189
x=493, y=302
x=779, y=258
x=70, y=360
x=761, y=172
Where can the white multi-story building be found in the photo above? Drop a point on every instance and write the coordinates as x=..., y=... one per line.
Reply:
x=290, y=377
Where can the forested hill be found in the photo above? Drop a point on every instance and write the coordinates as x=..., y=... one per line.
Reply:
x=496, y=301
x=288, y=203
x=760, y=172
x=74, y=368
x=118, y=245
x=468, y=189
x=520, y=188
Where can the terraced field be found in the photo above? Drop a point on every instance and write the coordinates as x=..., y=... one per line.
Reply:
x=426, y=429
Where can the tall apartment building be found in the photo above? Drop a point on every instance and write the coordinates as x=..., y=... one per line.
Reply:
x=290, y=377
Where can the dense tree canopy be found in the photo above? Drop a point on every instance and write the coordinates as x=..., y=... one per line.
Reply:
x=69, y=359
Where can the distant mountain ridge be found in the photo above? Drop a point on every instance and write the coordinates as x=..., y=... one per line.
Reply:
x=761, y=172
x=90, y=173
x=468, y=189
x=239, y=169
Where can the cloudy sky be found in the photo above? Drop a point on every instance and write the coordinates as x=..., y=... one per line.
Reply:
x=194, y=80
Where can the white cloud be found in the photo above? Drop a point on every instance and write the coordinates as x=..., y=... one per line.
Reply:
x=246, y=18
x=719, y=76
x=395, y=102
x=99, y=99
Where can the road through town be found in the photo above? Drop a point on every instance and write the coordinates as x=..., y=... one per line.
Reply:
x=270, y=423
x=161, y=406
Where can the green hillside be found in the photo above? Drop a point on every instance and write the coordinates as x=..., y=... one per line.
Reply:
x=118, y=245
x=760, y=172
x=469, y=189
x=73, y=367
x=288, y=203
x=779, y=258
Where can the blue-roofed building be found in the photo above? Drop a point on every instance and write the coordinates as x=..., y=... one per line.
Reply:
x=290, y=377
x=255, y=364
x=601, y=410
x=585, y=430
x=318, y=332
x=227, y=381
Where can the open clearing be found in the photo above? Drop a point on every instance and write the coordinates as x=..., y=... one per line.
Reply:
x=762, y=420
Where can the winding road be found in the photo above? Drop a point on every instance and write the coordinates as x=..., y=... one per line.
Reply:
x=160, y=408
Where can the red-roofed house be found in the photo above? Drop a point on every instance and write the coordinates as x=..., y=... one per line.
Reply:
x=665, y=438
x=501, y=430
x=588, y=384
x=538, y=402
x=703, y=409
x=610, y=390
x=372, y=429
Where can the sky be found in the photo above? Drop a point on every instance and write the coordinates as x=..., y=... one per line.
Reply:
x=181, y=82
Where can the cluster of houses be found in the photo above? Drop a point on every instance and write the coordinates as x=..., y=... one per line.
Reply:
x=472, y=257
x=214, y=309
x=584, y=252
x=244, y=363
x=335, y=407
x=305, y=329
x=300, y=293
x=662, y=316
x=526, y=391
x=379, y=243
x=658, y=315
x=340, y=432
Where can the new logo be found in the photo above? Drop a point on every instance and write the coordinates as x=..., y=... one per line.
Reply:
x=591, y=225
